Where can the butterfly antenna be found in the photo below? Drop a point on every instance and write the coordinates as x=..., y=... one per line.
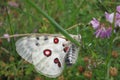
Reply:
x=74, y=26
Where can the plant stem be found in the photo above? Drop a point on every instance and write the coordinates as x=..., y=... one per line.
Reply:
x=56, y=25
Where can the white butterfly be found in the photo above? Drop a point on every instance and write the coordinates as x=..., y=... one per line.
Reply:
x=48, y=53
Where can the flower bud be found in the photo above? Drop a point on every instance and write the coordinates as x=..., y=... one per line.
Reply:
x=81, y=69
x=37, y=78
x=86, y=59
x=113, y=71
x=88, y=74
x=114, y=54
x=11, y=58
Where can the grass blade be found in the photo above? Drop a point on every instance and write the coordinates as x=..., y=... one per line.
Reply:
x=56, y=25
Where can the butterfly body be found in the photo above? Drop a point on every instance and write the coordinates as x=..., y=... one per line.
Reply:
x=47, y=53
x=70, y=57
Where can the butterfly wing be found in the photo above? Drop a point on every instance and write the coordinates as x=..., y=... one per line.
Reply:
x=26, y=46
x=46, y=53
x=49, y=60
x=23, y=49
x=50, y=66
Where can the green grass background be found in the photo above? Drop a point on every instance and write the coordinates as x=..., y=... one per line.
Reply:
x=67, y=13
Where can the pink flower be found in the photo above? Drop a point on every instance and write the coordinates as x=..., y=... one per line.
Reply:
x=103, y=32
x=118, y=9
x=109, y=31
x=7, y=37
x=117, y=20
x=110, y=17
x=95, y=23
x=13, y=4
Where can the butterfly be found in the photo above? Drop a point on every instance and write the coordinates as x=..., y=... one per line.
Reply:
x=48, y=53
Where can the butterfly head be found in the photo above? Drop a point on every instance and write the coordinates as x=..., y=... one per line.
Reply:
x=77, y=37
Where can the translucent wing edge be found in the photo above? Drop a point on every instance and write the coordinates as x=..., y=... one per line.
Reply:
x=22, y=50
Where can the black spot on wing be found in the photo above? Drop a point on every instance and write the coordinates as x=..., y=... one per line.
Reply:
x=37, y=38
x=45, y=37
x=37, y=44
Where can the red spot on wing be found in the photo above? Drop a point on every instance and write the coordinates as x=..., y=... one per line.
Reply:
x=56, y=40
x=47, y=52
x=56, y=61
x=66, y=49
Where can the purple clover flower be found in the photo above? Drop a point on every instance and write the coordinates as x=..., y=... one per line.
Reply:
x=109, y=31
x=118, y=9
x=110, y=17
x=13, y=4
x=95, y=23
x=101, y=30
x=7, y=36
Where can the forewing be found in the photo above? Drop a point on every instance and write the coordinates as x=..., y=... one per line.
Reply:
x=26, y=46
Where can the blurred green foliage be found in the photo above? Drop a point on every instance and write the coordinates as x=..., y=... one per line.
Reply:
x=24, y=19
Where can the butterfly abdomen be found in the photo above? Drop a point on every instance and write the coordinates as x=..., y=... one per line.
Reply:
x=71, y=56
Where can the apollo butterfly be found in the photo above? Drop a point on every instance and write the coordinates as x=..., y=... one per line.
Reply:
x=48, y=53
